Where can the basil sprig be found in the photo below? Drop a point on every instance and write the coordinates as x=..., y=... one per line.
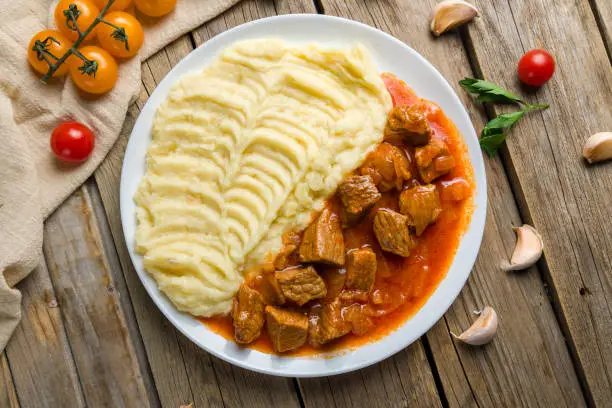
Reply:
x=495, y=132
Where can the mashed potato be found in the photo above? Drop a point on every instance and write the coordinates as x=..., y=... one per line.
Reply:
x=242, y=152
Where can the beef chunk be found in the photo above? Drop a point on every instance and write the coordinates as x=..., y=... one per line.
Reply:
x=357, y=316
x=388, y=166
x=408, y=124
x=327, y=324
x=360, y=269
x=301, y=285
x=270, y=289
x=433, y=160
x=358, y=195
x=323, y=241
x=288, y=255
x=334, y=282
x=248, y=314
x=421, y=204
x=393, y=233
x=287, y=330
x=457, y=189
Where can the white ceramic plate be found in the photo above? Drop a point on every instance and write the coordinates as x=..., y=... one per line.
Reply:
x=391, y=55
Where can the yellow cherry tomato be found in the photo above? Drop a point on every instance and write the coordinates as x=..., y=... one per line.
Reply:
x=51, y=45
x=118, y=5
x=155, y=8
x=122, y=42
x=99, y=75
x=84, y=11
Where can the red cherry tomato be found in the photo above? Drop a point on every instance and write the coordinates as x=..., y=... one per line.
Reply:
x=72, y=142
x=536, y=67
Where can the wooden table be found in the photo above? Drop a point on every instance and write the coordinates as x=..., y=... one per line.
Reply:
x=90, y=335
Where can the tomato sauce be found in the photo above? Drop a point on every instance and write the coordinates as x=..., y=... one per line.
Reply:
x=402, y=285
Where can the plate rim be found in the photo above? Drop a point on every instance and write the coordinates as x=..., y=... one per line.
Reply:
x=477, y=221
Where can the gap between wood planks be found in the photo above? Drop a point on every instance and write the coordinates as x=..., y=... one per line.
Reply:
x=602, y=11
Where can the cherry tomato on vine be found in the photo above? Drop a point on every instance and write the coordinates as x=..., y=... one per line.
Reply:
x=118, y=5
x=98, y=76
x=124, y=42
x=54, y=43
x=72, y=142
x=85, y=13
x=536, y=67
x=155, y=8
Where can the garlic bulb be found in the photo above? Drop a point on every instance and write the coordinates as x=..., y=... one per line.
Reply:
x=528, y=249
x=482, y=330
x=598, y=147
x=449, y=14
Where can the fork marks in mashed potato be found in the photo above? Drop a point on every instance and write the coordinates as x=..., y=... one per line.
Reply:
x=244, y=151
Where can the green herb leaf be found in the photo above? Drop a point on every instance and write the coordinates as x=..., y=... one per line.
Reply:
x=494, y=133
x=507, y=120
x=489, y=92
x=492, y=141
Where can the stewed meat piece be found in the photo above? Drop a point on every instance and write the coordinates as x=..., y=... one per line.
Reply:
x=288, y=255
x=388, y=166
x=358, y=317
x=301, y=284
x=408, y=124
x=433, y=160
x=326, y=323
x=270, y=289
x=457, y=189
x=247, y=314
x=358, y=195
x=323, y=241
x=361, y=269
x=393, y=232
x=421, y=204
x=288, y=330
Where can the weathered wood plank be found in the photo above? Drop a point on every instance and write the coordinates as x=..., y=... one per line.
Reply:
x=566, y=200
x=120, y=286
x=503, y=373
x=403, y=380
x=42, y=364
x=103, y=353
x=8, y=396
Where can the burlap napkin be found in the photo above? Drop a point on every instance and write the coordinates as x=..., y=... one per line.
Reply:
x=32, y=182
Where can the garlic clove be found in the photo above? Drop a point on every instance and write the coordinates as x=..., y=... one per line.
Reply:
x=598, y=147
x=482, y=330
x=528, y=249
x=449, y=14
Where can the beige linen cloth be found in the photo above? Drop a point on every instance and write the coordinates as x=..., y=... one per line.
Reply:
x=32, y=182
